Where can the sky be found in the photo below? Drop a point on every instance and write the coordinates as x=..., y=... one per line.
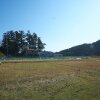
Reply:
x=61, y=24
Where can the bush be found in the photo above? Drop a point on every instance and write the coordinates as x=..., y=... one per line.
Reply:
x=1, y=54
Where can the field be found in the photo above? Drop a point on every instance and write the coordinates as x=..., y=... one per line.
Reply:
x=50, y=80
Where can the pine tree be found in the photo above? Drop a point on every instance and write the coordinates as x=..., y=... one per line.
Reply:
x=40, y=44
x=19, y=42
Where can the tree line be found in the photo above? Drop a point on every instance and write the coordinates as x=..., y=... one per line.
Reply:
x=92, y=49
x=19, y=43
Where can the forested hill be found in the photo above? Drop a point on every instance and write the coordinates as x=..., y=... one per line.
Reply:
x=92, y=49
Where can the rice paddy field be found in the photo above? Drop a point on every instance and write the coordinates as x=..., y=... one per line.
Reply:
x=50, y=79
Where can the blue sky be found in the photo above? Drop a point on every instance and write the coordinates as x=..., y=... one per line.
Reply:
x=61, y=24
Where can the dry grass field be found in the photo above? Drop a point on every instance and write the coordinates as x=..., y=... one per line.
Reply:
x=50, y=80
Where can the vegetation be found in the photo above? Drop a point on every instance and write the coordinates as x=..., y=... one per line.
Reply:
x=50, y=80
x=1, y=54
x=17, y=43
x=83, y=50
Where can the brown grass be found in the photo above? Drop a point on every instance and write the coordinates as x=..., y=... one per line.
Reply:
x=46, y=77
x=12, y=70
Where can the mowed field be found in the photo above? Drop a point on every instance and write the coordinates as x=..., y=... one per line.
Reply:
x=50, y=80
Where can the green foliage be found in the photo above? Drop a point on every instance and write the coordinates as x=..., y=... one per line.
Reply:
x=40, y=44
x=17, y=43
x=1, y=54
x=32, y=40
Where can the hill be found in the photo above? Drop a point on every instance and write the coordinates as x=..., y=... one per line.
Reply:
x=92, y=49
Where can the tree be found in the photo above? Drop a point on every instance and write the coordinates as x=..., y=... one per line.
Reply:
x=12, y=42
x=16, y=43
x=35, y=43
x=40, y=44
x=32, y=40
x=8, y=43
x=20, y=40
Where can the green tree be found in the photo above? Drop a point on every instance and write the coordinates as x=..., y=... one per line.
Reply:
x=20, y=40
x=8, y=43
x=12, y=42
x=35, y=41
x=16, y=43
x=40, y=44
x=32, y=40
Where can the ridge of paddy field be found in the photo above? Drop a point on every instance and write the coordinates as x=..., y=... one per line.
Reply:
x=26, y=60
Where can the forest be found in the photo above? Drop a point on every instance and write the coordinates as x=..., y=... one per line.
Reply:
x=92, y=49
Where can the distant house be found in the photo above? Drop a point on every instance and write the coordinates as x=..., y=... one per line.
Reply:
x=46, y=54
x=49, y=54
x=58, y=55
x=28, y=50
